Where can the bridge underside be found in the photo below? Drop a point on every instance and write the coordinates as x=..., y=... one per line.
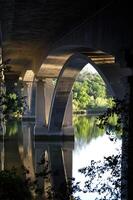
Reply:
x=40, y=40
x=51, y=105
x=47, y=40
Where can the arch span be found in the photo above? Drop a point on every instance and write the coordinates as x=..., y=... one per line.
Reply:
x=63, y=88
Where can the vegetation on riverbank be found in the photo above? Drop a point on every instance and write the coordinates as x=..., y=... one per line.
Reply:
x=90, y=94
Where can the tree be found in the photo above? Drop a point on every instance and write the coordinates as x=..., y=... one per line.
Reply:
x=80, y=95
x=89, y=91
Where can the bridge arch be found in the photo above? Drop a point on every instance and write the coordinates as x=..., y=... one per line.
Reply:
x=66, y=79
x=112, y=72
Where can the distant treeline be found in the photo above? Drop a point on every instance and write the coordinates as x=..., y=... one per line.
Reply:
x=90, y=93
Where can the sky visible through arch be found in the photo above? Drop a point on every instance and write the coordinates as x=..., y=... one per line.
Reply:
x=89, y=68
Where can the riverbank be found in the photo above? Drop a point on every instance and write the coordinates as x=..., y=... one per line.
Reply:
x=97, y=111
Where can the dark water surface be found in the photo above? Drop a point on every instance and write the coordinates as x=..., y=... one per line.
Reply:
x=60, y=160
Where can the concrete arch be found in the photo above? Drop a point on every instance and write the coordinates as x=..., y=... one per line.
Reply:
x=63, y=89
x=66, y=79
x=57, y=57
x=111, y=71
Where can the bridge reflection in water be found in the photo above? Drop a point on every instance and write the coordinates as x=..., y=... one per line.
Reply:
x=48, y=161
x=52, y=163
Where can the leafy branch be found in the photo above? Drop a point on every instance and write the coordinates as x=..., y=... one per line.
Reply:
x=119, y=111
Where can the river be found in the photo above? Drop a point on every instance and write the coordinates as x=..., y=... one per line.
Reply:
x=64, y=158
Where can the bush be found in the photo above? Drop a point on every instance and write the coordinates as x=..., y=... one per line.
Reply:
x=13, y=187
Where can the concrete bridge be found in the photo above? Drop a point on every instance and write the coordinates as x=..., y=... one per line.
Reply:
x=48, y=39
x=41, y=47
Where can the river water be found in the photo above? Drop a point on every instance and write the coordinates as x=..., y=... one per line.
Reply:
x=63, y=158
x=92, y=143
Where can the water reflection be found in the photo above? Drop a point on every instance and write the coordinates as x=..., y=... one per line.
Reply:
x=86, y=129
x=48, y=162
x=51, y=164
x=95, y=146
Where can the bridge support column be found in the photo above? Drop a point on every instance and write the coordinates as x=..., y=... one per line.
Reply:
x=40, y=103
x=44, y=92
x=28, y=95
x=67, y=122
x=49, y=89
x=68, y=113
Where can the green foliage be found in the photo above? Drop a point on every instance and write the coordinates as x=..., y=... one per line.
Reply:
x=115, y=117
x=12, y=186
x=89, y=91
x=80, y=95
x=13, y=105
x=12, y=127
x=97, y=86
x=104, y=178
x=86, y=129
